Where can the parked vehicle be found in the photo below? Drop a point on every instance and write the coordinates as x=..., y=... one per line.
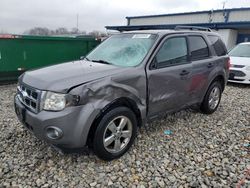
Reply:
x=129, y=79
x=240, y=67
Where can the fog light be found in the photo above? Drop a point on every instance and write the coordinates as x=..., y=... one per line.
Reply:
x=54, y=133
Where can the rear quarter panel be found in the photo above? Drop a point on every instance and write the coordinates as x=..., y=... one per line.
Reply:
x=220, y=69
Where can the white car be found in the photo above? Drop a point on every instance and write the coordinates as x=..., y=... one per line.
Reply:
x=240, y=63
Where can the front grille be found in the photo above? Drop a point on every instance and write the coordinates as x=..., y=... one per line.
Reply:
x=237, y=73
x=238, y=66
x=29, y=97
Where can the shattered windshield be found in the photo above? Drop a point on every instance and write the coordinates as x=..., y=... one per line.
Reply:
x=123, y=50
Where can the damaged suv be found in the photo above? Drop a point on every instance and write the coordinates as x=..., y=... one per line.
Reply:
x=128, y=80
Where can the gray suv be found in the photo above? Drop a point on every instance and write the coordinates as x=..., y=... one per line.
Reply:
x=128, y=80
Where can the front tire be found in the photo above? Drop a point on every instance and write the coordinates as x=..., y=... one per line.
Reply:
x=115, y=133
x=212, y=98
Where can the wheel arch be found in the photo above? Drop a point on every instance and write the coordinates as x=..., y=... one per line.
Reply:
x=204, y=106
x=123, y=101
x=220, y=79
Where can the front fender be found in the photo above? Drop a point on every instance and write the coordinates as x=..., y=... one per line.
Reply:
x=100, y=93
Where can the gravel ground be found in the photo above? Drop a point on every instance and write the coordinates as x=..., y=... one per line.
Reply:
x=202, y=151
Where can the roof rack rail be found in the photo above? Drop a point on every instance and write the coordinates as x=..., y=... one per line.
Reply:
x=180, y=27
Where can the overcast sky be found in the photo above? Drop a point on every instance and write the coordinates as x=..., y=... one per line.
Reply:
x=16, y=16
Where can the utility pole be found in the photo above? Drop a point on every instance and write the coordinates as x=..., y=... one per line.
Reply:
x=225, y=13
x=77, y=19
x=224, y=4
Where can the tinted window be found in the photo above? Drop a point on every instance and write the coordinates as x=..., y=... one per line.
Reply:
x=218, y=45
x=173, y=51
x=198, y=48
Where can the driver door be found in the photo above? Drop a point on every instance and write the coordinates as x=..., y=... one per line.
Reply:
x=169, y=76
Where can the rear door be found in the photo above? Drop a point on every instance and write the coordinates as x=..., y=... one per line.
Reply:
x=203, y=65
x=169, y=76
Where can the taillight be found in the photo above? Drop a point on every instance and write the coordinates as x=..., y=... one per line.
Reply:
x=228, y=64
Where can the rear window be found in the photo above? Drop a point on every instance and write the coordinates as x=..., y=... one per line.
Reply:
x=198, y=48
x=218, y=45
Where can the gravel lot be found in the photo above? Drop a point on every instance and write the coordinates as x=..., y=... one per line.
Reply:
x=203, y=151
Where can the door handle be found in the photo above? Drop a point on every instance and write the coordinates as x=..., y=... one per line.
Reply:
x=209, y=65
x=184, y=72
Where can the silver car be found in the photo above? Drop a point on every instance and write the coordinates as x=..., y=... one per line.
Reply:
x=240, y=63
x=128, y=80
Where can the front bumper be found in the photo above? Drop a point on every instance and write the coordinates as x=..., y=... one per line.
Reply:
x=74, y=122
x=243, y=77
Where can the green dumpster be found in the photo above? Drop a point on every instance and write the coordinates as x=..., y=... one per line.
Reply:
x=19, y=53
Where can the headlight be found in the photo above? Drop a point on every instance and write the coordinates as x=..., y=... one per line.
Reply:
x=57, y=101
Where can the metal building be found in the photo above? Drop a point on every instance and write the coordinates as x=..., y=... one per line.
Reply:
x=232, y=24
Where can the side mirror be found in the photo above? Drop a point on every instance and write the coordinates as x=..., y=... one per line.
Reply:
x=154, y=63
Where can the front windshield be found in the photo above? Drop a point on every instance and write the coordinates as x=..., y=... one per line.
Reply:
x=123, y=49
x=241, y=50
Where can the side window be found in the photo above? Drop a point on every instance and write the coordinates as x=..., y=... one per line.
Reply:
x=173, y=51
x=198, y=48
x=218, y=45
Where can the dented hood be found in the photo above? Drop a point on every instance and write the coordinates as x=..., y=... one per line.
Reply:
x=62, y=77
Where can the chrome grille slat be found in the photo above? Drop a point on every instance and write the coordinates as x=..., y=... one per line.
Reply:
x=29, y=97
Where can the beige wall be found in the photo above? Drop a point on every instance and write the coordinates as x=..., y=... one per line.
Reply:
x=234, y=16
x=229, y=36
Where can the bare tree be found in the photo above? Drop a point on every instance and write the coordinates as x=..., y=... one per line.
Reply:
x=74, y=31
x=62, y=31
x=39, y=31
x=98, y=33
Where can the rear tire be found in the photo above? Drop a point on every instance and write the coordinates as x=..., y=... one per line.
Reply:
x=212, y=98
x=115, y=133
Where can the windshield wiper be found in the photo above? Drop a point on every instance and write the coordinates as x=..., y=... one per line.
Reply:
x=87, y=59
x=101, y=61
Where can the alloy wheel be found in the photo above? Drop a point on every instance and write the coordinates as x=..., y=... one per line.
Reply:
x=117, y=134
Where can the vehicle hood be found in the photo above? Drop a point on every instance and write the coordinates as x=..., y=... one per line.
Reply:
x=240, y=61
x=62, y=77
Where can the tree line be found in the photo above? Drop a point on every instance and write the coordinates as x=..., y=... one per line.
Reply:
x=62, y=31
